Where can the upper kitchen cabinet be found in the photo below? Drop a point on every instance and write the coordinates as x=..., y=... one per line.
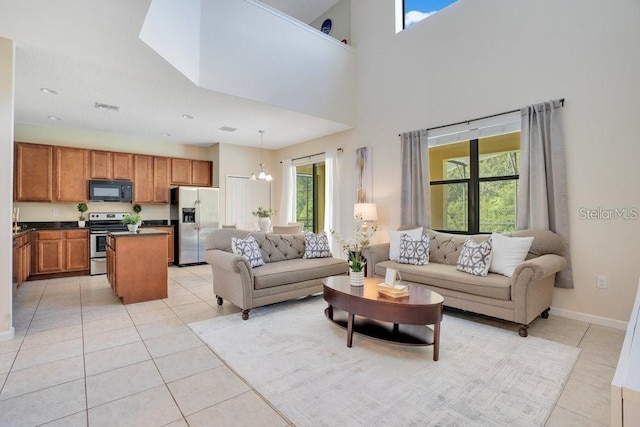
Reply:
x=71, y=166
x=201, y=171
x=143, y=179
x=161, y=174
x=191, y=172
x=33, y=173
x=181, y=171
x=111, y=166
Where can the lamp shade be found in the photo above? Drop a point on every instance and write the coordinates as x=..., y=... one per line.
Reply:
x=368, y=211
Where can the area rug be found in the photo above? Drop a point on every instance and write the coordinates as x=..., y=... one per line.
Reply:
x=298, y=360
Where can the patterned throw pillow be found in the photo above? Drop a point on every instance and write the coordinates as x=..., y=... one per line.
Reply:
x=415, y=252
x=248, y=248
x=475, y=258
x=316, y=245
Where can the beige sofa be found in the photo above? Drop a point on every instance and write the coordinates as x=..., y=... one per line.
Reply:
x=285, y=275
x=520, y=298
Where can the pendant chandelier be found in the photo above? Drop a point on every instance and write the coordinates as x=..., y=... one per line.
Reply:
x=262, y=175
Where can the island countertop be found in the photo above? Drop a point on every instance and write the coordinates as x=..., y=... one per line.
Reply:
x=140, y=232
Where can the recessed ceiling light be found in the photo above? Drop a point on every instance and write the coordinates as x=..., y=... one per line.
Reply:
x=187, y=116
x=165, y=134
x=49, y=91
x=54, y=118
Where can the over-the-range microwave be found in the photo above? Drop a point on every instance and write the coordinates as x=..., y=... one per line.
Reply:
x=110, y=191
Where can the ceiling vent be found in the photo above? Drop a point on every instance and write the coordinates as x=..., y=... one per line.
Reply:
x=228, y=129
x=107, y=106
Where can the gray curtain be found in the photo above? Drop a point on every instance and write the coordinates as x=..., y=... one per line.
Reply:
x=415, y=206
x=542, y=202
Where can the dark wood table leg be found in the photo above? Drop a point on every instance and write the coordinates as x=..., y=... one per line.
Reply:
x=350, y=329
x=330, y=312
x=395, y=328
x=436, y=341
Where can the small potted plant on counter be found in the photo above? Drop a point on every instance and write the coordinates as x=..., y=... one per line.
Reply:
x=82, y=208
x=132, y=221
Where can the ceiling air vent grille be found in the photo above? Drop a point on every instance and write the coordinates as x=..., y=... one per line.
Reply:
x=107, y=106
x=228, y=129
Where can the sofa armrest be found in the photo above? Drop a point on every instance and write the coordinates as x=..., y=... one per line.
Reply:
x=542, y=267
x=375, y=254
x=232, y=277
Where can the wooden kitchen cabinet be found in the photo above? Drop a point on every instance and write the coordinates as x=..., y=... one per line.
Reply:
x=21, y=259
x=201, y=171
x=76, y=250
x=161, y=177
x=143, y=179
x=191, y=172
x=126, y=253
x=33, y=173
x=170, y=242
x=101, y=164
x=71, y=172
x=180, y=172
x=122, y=167
x=111, y=165
x=60, y=251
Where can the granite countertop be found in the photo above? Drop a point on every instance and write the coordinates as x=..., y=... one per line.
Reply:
x=140, y=232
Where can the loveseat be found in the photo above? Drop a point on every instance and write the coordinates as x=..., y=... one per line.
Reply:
x=285, y=274
x=520, y=298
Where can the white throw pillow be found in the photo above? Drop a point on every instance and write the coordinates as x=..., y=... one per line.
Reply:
x=394, y=240
x=508, y=252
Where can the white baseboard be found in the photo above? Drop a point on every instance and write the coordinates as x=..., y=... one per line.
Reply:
x=8, y=335
x=603, y=321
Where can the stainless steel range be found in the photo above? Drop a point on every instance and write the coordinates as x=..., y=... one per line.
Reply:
x=100, y=223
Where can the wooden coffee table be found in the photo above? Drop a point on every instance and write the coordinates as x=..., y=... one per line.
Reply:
x=399, y=320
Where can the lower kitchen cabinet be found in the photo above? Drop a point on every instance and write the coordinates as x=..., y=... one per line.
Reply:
x=21, y=259
x=60, y=251
x=170, y=239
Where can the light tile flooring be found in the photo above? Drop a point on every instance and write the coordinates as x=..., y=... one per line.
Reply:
x=81, y=358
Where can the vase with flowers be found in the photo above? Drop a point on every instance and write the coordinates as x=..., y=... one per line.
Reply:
x=361, y=234
x=264, y=218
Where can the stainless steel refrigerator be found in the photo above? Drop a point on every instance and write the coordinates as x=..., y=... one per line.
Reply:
x=194, y=213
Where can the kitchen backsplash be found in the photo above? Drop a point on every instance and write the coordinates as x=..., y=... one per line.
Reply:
x=31, y=211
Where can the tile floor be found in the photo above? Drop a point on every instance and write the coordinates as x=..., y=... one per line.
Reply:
x=81, y=358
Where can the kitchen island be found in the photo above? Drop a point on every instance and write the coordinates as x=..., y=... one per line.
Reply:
x=137, y=264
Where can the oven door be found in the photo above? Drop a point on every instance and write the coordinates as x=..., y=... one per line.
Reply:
x=98, y=245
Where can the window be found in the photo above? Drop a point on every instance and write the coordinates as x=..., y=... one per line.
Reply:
x=474, y=184
x=310, y=183
x=416, y=10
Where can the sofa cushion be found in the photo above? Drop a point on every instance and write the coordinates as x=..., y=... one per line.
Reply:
x=446, y=276
x=248, y=248
x=316, y=245
x=297, y=270
x=475, y=258
x=508, y=252
x=414, y=251
x=394, y=241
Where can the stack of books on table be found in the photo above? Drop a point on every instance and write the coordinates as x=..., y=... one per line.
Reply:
x=393, y=291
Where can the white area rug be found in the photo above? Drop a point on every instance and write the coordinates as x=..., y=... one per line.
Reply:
x=299, y=361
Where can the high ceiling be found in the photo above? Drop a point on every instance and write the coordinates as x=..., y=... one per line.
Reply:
x=89, y=51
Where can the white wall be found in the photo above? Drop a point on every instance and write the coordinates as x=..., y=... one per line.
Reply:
x=7, y=60
x=478, y=58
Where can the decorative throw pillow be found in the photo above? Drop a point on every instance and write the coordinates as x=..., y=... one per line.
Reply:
x=316, y=245
x=394, y=241
x=248, y=248
x=508, y=252
x=475, y=258
x=415, y=252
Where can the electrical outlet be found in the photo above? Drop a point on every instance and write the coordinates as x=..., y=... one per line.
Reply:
x=54, y=212
x=601, y=282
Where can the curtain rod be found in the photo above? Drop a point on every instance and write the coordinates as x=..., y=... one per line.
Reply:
x=480, y=118
x=312, y=155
